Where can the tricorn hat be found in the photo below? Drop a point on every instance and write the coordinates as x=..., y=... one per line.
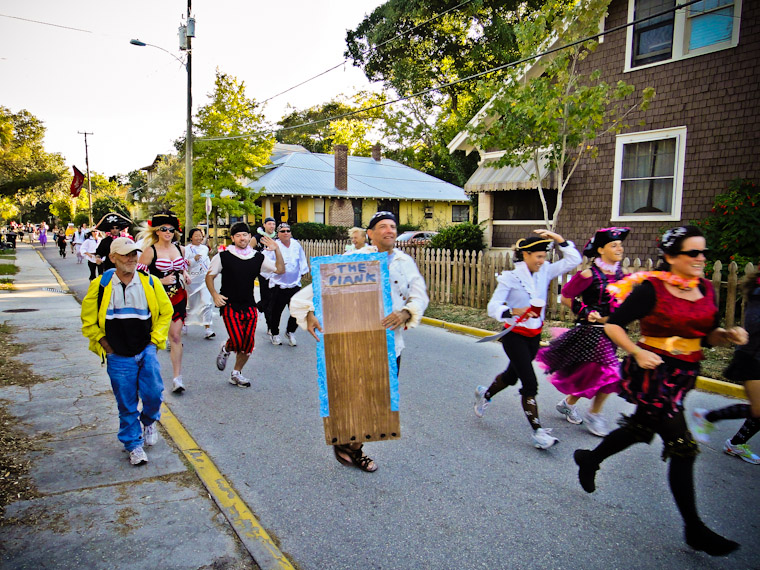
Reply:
x=602, y=237
x=113, y=220
x=165, y=217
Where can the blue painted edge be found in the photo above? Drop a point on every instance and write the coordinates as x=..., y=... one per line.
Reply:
x=316, y=262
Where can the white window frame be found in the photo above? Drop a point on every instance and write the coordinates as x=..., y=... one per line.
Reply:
x=316, y=201
x=680, y=38
x=679, y=133
x=453, y=221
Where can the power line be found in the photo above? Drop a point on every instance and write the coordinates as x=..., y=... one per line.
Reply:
x=47, y=24
x=369, y=50
x=458, y=81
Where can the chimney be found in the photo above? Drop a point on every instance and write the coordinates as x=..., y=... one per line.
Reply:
x=377, y=152
x=341, y=166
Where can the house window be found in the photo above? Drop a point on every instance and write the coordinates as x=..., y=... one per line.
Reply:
x=391, y=206
x=649, y=175
x=522, y=205
x=460, y=213
x=356, y=203
x=703, y=27
x=319, y=210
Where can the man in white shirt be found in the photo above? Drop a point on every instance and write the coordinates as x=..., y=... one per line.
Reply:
x=285, y=285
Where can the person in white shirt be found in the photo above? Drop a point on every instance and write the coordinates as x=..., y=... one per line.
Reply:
x=410, y=299
x=88, y=248
x=513, y=303
x=200, y=305
x=77, y=241
x=285, y=285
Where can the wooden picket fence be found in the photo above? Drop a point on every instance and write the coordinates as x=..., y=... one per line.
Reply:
x=469, y=278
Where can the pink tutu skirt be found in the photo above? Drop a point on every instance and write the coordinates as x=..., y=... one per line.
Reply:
x=582, y=362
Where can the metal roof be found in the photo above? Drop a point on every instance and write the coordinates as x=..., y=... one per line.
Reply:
x=312, y=174
x=523, y=177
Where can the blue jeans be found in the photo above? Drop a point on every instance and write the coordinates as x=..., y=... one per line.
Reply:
x=133, y=378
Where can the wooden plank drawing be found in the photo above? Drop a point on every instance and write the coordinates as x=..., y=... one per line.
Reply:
x=356, y=358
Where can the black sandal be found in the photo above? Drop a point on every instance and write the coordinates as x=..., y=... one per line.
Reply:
x=358, y=459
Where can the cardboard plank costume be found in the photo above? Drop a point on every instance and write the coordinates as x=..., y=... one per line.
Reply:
x=356, y=362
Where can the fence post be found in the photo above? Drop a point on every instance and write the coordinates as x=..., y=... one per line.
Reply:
x=717, y=281
x=733, y=279
x=748, y=269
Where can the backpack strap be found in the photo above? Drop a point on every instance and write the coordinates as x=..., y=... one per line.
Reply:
x=104, y=280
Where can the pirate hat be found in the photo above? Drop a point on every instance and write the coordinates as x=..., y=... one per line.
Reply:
x=113, y=220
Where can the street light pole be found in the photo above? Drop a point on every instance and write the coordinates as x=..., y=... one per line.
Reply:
x=186, y=33
x=189, y=136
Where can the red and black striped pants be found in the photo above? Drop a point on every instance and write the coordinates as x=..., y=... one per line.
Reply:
x=241, y=326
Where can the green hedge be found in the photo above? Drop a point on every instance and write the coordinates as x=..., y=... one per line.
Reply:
x=320, y=232
x=466, y=236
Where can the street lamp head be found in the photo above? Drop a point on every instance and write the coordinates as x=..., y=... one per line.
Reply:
x=137, y=43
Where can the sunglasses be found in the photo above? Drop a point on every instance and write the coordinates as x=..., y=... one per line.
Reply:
x=166, y=229
x=284, y=231
x=694, y=252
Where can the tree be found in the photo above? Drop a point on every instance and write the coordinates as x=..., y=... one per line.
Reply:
x=25, y=167
x=556, y=116
x=221, y=166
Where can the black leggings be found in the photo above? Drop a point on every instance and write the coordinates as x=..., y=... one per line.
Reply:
x=521, y=351
x=93, y=269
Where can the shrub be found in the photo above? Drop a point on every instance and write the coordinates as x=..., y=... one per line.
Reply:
x=319, y=232
x=401, y=228
x=733, y=228
x=82, y=218
x=467, y=236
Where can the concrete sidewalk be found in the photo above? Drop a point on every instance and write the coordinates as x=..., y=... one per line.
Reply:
x=95, y=510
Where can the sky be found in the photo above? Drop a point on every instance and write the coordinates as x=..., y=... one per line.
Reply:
x=134, y=99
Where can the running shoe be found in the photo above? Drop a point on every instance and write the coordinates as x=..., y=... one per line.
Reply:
x=221, y=358
x=702, y=427
x=179, y=387
x=742, y=451
x=480, y=401
x=138, y=456
x=542, y=439
x=276, y=340
x=291, y=339
x=237, y=379
x=596, y=424
x=184, y=329
x=150, y=434
x=209, y=334
x=570, y=413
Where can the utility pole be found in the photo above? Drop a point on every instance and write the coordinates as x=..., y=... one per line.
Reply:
x=189, y=32
x=87, y=164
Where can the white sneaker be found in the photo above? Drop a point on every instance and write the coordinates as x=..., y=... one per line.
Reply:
x=741, y=451
x=221, y=358
x=209, y=334
x=276, y=340
x=179, y=387
x=138, y=456
x=570, y=413
x=702, y=427
x=480, y=401
x=291, y=339
x=150, y=434
x=596, y=424
x=542, y=439
x=184, y=329
x=237, y=379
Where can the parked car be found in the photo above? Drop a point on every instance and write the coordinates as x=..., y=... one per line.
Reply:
x=415, y=237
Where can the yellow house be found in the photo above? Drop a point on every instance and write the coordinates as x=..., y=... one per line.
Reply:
x=343, y=190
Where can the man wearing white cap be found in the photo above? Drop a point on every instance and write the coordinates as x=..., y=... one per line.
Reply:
x=126, y=315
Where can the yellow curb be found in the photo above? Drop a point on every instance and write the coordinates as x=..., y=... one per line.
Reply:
x=57, y=276
x=703, y=383
x=261, y=546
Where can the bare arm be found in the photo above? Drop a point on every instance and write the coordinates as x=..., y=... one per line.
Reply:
x=644, y=358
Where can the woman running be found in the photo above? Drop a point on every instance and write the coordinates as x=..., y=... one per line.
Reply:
x=744, y=369
x=511, y=303
x=163, y=257
x=675, y=306
x=200, y=305
x=582, y=363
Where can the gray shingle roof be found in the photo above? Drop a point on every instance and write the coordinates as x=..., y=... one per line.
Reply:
x=302, y=174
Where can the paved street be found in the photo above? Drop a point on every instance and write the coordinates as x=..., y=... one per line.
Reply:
x=455, y=492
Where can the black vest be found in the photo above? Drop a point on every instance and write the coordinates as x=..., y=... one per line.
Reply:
x=238, y=276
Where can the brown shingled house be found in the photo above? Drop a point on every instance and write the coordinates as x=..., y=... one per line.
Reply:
x=701, y=131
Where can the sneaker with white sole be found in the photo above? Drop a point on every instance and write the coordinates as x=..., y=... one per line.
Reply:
x=570, y=413
x=276, y=340
x=150, y=434
x=742, y=451
x=209, y=334
x=702, y=427
x=179, y=387
x=184, y=329
x=138, y=456
x=542, y=439
x=237, y=379
x=480, y=401
x=291, y=339
x=596, y=424
x=221, y=358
